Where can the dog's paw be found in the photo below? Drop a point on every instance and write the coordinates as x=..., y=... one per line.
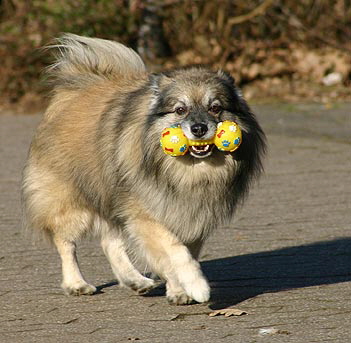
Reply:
x=199, y=290
x=141, y=286
x=189, y=276
x=178, y=298
x=79, y=289
x=194, y=284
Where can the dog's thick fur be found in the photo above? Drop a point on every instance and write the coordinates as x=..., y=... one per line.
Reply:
x=96, y=166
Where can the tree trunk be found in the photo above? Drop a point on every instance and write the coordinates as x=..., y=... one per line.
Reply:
x=151, y=41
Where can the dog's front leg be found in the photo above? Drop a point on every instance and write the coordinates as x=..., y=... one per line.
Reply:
x=114, y=248
x=170, y=259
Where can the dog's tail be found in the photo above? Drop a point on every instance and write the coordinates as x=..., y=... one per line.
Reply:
x=81, y=60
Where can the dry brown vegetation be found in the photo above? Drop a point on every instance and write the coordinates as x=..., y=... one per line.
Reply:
x=276, y=49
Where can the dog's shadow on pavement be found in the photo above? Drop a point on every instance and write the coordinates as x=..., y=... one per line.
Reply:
x=237, y=278
x=234, y=279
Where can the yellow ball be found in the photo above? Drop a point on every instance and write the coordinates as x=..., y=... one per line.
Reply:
x=228, y=136
x=174, y=142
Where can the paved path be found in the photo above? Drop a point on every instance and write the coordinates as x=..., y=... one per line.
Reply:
x=286, y=260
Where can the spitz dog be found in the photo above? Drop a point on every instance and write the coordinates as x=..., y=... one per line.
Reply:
x=96, y=166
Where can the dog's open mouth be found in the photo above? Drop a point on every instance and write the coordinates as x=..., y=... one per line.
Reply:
x=201, y=151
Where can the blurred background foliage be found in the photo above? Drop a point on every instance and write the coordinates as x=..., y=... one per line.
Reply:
x=275, y=49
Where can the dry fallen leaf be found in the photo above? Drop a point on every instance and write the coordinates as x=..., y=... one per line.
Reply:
x=227, y=312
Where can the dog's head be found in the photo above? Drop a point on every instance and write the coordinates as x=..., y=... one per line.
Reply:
x=197, y=99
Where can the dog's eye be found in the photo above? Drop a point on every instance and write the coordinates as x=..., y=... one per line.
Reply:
x=215, y=109
x=181, y=110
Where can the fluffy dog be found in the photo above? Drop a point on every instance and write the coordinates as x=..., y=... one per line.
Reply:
x=95, y=165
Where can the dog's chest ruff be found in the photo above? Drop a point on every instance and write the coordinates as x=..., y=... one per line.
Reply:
x=190, y=212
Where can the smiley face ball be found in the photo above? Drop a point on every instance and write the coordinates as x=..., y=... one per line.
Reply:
x=174, y=142
x=228, y=136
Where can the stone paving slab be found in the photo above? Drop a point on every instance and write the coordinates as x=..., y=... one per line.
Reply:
x=285, y=260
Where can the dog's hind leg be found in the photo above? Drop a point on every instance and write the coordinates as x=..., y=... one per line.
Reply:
x=73, y=282
x=170, y=259
x=127, y=275
x=68, y=224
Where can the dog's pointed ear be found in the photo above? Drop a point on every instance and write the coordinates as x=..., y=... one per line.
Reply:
x=158, y=81
x=226, y=77
x=230, y=82
x=157, y=84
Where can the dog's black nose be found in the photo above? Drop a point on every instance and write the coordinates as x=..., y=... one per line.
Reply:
x=199, y=129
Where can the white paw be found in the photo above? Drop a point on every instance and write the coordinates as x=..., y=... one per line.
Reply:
x=193, y=282
x=81, y=288
x=178, y=298
x=141, y=286
x=198, y=289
